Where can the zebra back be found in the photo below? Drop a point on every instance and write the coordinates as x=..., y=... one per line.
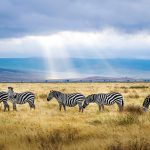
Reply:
x=24, y=97
x=115, y=97
x=67, y=99
x=3, y=96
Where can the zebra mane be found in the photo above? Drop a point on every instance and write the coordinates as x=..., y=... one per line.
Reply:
x=91, y=97
x=56, y=93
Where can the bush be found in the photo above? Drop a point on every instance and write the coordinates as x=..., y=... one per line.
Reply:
x=126, y=90
x=134, y=109
x=141, y=144
x=138, y=87
x=134, y=96
x=128, y=120
x=43, y=96
x=95, y=122
x=57, y=137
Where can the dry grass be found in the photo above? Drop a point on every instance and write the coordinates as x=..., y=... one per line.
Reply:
x=46, y=128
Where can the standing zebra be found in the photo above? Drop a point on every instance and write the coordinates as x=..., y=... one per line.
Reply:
x=146, y=103
x=64, y=100
x=4, y=98
x=105, y=99
x=21, y=98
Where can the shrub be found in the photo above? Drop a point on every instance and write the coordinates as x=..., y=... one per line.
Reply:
x=134, y=109
x=126, y=90
x=141, y=144
x=123, y=87
x=57, y=137
x=138, y=87
x=128, y=120
x=43, y=96
x=95, y=122
x=2, y=147
x=134, y=96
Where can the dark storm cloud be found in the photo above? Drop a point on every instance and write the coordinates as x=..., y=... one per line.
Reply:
x=27, y=17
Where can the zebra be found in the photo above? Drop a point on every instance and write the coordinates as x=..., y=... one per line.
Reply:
x=105, y=99
x=146, y=103
x=21, y=98
x=64, y=100
x=4, y=98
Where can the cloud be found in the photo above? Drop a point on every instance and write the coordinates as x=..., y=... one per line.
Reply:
x=41, y=17
x=107, y=43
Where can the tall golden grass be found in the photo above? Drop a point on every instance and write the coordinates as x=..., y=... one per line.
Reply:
x=47, y=128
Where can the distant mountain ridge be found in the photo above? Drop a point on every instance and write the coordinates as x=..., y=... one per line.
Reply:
x=88, y=70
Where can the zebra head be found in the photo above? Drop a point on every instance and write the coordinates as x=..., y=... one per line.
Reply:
x=87, y=101
x=10, y=93
x=50, y=95
x=53, y=94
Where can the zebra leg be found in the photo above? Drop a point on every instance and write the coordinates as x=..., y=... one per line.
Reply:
x=60, y=106
x=80, y=107
x=31, y=104
x=120, y=105
x=34, y=106
x=102, y=107
x=120, y=108
x=14, y=107
x=64, y=107
x=8, y=107
x=5, y=105
x=99, y=106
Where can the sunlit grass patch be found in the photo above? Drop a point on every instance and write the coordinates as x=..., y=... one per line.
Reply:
x=48, y=128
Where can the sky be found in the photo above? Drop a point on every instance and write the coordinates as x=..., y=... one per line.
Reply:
x=75, y=29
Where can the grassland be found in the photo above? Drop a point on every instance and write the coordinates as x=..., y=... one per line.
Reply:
x=47, y=128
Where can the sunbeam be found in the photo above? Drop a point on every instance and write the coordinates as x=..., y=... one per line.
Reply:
x=72, y=54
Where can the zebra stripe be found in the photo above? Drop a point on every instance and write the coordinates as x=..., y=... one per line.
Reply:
x=21, y=98
x=105, y=99
x=4, y=98
x=64, y=100
x=146, y=103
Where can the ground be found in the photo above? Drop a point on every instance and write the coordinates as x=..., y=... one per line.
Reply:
x=48, y=128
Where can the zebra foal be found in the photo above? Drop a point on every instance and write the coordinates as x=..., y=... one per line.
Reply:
x=64, y=100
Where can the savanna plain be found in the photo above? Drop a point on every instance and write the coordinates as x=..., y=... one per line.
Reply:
x=46, y=128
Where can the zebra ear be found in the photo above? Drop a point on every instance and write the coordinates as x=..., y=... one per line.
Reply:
x=11, y=88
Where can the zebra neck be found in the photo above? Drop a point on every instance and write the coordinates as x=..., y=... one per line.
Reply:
x=59, y=97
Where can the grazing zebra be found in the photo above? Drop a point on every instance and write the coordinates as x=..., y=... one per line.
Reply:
x=4, y=98
x=21, y=98
x=105, y=99
x=146, y=103
x=64, y=100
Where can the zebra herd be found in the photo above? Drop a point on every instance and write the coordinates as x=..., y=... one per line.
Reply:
x=70, y=100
